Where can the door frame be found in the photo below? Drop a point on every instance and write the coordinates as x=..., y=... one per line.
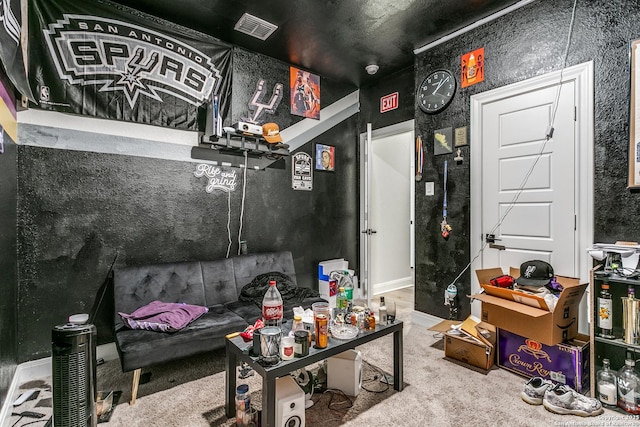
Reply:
x=365, y=172
x=582, y=76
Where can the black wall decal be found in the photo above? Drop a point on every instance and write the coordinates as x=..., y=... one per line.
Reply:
x=258, y=104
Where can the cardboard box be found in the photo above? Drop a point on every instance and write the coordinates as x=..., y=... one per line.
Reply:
x=542, y=325
x=465, y=349
x=484, y=276
x=328, y=288
x=566, y=363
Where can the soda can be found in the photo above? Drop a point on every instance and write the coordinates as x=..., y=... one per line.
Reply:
x=322, y=331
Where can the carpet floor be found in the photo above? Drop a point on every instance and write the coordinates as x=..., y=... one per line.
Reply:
x=437, y=392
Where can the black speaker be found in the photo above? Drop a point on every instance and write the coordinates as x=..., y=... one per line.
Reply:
x=73, y=364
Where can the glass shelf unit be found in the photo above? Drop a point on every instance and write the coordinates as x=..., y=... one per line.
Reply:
x=616, y=350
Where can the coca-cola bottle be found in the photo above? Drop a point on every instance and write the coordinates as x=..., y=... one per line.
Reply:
x=272, y=306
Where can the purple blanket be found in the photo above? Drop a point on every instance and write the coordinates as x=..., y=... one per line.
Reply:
x=163, y=316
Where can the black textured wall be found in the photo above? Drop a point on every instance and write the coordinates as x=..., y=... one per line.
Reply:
x=8, y=279
x=78, y=209
x=523, y=44
x=401, y=82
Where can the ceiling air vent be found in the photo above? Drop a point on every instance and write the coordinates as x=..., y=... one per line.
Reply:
x=255, y=27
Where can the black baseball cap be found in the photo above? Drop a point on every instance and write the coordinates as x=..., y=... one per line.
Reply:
x=535, y=273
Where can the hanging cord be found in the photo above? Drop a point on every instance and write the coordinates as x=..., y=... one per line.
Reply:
x=244, y=189
x=444, y=201
x=548, y=136
x=229, y=222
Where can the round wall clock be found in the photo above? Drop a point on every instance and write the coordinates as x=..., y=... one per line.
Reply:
x=436, y=91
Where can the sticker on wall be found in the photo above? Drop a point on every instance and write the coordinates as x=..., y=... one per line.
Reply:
x=442, y=141
x=301, y=172
x=389, y=102
x=219, y=179
x=325, y=157
x=305, y=93
x=472, y=67
x=257, y=106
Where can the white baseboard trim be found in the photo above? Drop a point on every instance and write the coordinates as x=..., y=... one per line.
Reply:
x=41, y=368
x=393, y=285
x=424, y=319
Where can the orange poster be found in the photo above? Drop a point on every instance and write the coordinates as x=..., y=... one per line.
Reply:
x=472, y=67
x=305, y=93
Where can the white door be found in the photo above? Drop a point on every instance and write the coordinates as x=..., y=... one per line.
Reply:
x=387, y=243
x=530, y=187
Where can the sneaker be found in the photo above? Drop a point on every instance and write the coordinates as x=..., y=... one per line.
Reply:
x=534, y=389
x=563, y=400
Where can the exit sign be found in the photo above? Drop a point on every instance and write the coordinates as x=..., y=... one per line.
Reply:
x=389, y=102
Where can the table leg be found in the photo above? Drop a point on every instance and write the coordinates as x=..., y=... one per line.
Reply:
x=230, y=382
x=398, y=368
x=268, y=401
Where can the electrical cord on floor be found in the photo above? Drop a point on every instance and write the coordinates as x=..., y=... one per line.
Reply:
x=377, y=377
x=339, y=406
x=40, y=420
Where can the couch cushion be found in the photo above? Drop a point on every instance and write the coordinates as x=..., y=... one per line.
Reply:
x=219, y=281
x=136, y=286
x=141, y=348
x=249, y=311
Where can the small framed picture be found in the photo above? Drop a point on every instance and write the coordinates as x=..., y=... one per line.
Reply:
x=442, y=141
x=325, y=157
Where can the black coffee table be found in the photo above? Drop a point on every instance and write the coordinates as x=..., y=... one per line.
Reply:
x=238, y=350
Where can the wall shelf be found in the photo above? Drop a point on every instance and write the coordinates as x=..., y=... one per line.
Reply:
x=230, y=149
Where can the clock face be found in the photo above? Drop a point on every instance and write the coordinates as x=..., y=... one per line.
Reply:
x=436, y=91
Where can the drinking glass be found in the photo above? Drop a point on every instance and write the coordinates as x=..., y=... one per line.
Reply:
x=391, y=312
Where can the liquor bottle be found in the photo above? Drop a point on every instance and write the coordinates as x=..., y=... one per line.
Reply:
x=607, y=388
x=630, y=317
x=272, y=307
x=342, y=303
x=605, y=313
x=629, y=387
x=382, y=312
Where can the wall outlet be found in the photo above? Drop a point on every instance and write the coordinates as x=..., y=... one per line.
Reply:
x=429, y=189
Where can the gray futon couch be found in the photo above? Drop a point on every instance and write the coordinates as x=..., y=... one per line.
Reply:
x=214, y=284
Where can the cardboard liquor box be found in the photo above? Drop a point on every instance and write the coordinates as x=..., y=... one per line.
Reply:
x=565, y=363
x=509, y=311
x=328, y=288
x=480, y=352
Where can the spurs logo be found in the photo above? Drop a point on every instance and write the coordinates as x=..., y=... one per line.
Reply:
x=258, y=107
x=529, y=271
x=9, y=21
x=122, y=57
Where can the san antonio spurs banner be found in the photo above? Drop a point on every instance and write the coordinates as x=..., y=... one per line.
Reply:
x=10, y=46
x=100, y=59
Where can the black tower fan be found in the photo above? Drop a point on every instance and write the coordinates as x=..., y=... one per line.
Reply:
x=73, y=354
